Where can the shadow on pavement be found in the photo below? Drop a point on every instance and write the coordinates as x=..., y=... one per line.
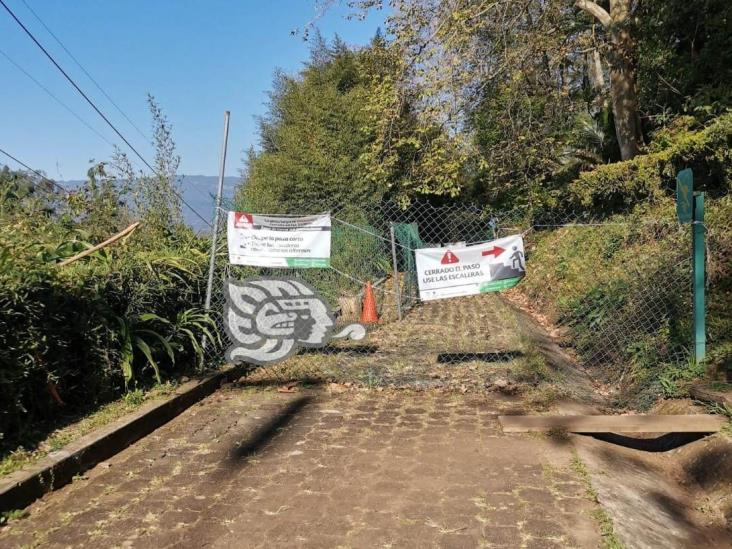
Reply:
x=266, y=432
x=274, y=379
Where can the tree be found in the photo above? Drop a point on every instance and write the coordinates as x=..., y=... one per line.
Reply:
x=310, y=138
x=623, y=82
x=99, y=205
x=533, y=92
x=157, y=195
x=341, y=132
x=684, y=59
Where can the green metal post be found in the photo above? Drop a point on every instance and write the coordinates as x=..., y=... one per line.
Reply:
x=698, y=250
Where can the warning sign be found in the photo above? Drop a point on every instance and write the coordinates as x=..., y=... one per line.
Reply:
x=488, y=267
x=449, y=258
x=278, y=241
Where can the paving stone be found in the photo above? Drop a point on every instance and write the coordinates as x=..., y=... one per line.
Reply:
x=399, y=470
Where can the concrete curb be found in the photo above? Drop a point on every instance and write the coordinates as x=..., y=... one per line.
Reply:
x=21, y=488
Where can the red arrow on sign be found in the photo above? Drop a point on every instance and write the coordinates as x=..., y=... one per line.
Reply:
x=495, y=252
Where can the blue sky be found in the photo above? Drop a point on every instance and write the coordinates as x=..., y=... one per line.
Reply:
x=197, y=57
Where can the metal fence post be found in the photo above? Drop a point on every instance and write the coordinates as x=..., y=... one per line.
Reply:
x=396, y=271
x=698, y=245
x=216, y=217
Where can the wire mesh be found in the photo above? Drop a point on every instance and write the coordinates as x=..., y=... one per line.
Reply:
x=626, y=309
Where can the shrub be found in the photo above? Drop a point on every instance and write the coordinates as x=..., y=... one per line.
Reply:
x=622, y=291
x=623, y=186
x=60, y=344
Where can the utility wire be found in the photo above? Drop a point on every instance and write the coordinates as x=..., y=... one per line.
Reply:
x=74, y=84
x=89, y=76
x=64, y=105
x=99, y=112
x=39, y=174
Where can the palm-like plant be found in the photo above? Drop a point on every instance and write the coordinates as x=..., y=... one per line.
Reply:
x=137, y=337
x=149, y=335
x=191, y=327
x=170, y=268
x=587, y=143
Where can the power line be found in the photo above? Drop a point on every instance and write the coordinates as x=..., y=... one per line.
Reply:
x=39, y=174
x=64, y=105
x=89, y=76
x=75, y=85
x=99, y=112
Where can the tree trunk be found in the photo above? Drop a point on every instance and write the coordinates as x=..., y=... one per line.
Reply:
x=594, y=70
x=623, y=92
x=623, y=83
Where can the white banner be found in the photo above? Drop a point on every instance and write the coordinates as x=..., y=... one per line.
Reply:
x=467, y=270
x=277, y=241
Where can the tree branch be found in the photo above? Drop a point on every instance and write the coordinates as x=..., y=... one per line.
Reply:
x=107, y=242
x=596, y=11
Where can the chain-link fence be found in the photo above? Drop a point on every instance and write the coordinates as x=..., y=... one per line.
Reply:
x=612, y=293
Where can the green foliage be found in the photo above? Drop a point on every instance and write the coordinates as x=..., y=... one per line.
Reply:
x=722, y=409
x=73, y=337
x=98, y=208
x=80, y=326
x=516, y=83
x=185, y=333
x=684, y=58
x=604, y=520
x=152, y=336
x=135, y=337
x=622, y=292
x=343, y=132
x=15, y=514
x=533, y=368
x=355, y=252
x=674, y=378
x=650, y=178
x=156, y=196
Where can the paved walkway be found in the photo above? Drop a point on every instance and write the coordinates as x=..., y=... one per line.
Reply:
x=359, y=469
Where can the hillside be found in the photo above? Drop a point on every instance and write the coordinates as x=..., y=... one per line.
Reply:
x=198, y=190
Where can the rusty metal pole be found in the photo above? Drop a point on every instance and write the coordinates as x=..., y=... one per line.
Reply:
x=397, y=289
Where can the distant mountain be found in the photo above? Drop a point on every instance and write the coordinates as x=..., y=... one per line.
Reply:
x=199, y=191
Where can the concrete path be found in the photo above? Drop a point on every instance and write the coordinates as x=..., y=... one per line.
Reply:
x=359, y=469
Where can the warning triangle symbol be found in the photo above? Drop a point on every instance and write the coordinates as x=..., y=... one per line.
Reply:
x=449, y=257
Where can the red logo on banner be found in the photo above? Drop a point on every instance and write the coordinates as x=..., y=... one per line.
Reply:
x=241, y=219
x=449, y=257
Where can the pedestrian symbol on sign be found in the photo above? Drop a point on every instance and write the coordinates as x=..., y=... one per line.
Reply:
x=449, y=257
x=517, y=259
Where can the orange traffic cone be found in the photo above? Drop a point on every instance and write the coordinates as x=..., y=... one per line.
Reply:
x=368, y=311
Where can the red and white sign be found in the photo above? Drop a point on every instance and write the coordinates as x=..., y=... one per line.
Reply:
x=278, y=241
x=243, y=220
x=449, y=258
x=469, y=270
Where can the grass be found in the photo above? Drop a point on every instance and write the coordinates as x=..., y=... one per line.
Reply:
x=30, y=453
x=533, y=368
x=371, y=378
x=719, y=409
x=15, y=514
x=610, y=540
x=722, y=410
